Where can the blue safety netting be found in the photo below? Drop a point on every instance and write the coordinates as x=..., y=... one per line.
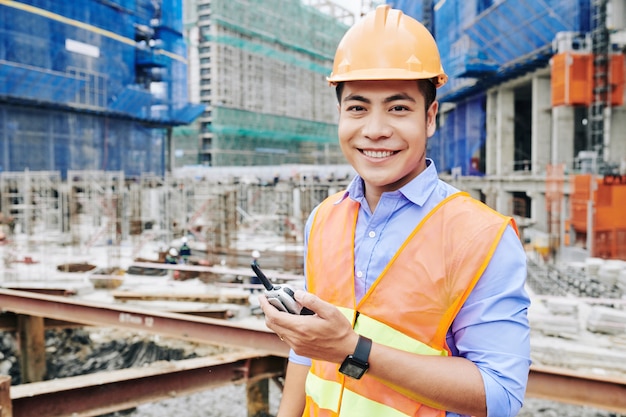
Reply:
x=64, y=141
x=79, y=79
x=86, y=54
x=460, y=138
x=485, y=42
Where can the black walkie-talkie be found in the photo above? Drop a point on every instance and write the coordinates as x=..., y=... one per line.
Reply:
x=280, y=296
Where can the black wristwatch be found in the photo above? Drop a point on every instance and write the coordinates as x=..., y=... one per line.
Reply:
x=356, y=365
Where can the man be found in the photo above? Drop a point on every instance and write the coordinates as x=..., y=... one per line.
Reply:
x=185, y=251
x=418, y=289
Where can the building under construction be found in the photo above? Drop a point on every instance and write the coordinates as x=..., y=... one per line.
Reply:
x=91, y=85
x=260, y=68
x=535, y=97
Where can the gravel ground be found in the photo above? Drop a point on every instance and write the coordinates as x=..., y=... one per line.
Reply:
x=224, y=402
x=227, y=401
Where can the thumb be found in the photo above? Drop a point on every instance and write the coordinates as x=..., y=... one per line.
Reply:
x=310, y=301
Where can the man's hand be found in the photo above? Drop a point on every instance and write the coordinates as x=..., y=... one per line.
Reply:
x=327, y=335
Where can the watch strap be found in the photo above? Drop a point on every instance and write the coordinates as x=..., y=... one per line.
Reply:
x=362, y=350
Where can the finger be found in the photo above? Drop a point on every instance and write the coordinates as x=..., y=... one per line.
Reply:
x=268, y=309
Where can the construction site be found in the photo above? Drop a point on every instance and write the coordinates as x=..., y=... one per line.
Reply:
x=130, y=129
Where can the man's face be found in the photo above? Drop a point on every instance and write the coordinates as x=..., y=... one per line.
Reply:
x=383, y=128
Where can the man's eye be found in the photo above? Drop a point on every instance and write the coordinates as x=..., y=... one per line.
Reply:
x=356, y=108
x=399, y=108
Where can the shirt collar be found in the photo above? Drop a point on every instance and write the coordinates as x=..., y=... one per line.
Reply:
x=417, y=191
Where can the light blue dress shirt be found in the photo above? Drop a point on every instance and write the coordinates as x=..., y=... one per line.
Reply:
x=492, y=327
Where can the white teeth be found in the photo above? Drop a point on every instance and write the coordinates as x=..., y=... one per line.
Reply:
x=377, y=154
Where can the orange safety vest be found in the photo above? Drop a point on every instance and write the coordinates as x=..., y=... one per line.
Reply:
x=410, y=306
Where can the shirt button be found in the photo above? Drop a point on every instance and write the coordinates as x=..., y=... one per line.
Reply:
x=359, y=274
x=372, y=234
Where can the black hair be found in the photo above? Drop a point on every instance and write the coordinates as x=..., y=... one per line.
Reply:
x=426, y=87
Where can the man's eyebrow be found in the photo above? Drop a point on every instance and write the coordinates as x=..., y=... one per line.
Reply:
x=390, y=99
x=357, y=97
x=399, y=96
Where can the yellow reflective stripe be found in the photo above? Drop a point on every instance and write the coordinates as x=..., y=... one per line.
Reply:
x=388, y=336
x=354, y=405
x=348, y=313
x=324, y=393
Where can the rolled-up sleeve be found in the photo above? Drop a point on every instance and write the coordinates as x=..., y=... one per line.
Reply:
x=492, y=328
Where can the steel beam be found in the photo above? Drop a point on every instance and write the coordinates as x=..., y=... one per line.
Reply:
x=566, y=386
x=8, y=322
x=6, y=408
x=32, y=345
x=555, y=384
x=181, y=326
x=107, y=392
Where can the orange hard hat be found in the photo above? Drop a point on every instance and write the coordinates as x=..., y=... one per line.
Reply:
x=386, y=44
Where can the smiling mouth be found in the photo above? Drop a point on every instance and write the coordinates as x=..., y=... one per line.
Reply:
x=378, y=154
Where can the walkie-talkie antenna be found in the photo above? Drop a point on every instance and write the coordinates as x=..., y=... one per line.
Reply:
x=266, y=282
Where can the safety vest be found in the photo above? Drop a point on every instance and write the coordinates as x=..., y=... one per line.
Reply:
x=410, y=306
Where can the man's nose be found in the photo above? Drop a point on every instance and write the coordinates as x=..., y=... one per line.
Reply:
x=377, y=126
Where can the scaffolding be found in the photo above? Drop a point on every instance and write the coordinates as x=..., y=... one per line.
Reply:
x=601, y=64
x=259, y=62
x=224, y=217
x=96, y=210
x=34, y=201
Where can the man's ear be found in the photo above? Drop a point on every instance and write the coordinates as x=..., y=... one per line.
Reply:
x=431, y=118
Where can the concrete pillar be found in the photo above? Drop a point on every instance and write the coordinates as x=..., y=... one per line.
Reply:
x=616, y=151
x=538, y=211
x=491, y=146
x=562, y=136
x=504, y=202
x=491, y=196
x=541, y=124
x=505, y=131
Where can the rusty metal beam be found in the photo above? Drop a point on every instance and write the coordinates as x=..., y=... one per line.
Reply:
x=181, y=326
x=566, y=386
x=8, y=320
x=95, y=394
x=8, y=323
x=6, y=408
x=107, y=392
x=62, y=292
x=32, y=346
x=553, y=384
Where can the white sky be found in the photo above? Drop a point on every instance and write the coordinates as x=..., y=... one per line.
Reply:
x=353, y=6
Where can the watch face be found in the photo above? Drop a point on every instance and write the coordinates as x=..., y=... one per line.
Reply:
x=352, y=369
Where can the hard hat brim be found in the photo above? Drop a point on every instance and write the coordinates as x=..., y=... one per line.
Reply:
x=387, y=74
